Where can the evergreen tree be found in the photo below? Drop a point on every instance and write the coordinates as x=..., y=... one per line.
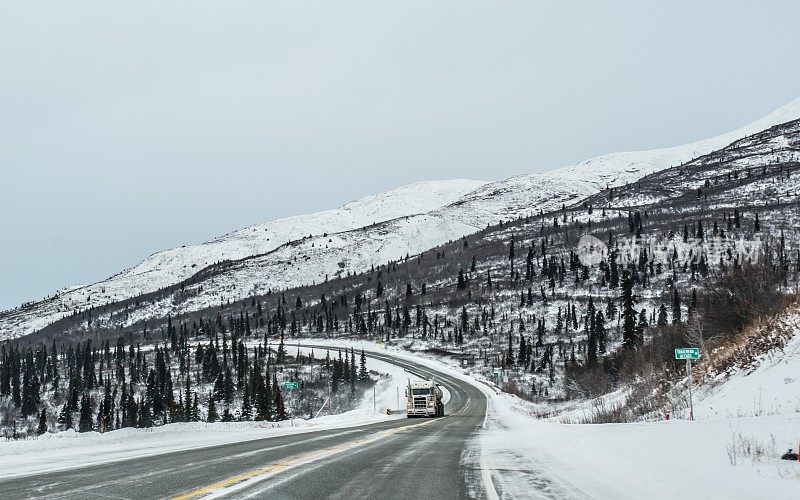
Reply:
x=212, y=415
x=676, y=307
x=600, y=331
x=280, y=410
x=226, y=415
x=281, y=354
x=42, y=423
x=247, y=410
x=640, y=327
x=662, y=315
x=363, y=374
x=195, y=413
x=229, y=389
x=462, y=282
x=219, y=388
x=145, y=417
x=65, y=417
x=628, y=300
x=85, y=422
x=511, y=256
x=264, y=400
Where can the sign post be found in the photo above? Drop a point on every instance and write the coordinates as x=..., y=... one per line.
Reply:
x=688, y=353
x=291, y=385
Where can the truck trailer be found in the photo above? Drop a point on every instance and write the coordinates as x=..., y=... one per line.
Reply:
x=424, y=399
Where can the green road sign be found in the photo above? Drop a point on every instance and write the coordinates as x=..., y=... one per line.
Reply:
x=291, y=385
x=687, y=353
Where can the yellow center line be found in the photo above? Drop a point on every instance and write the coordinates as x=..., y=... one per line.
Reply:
x=303, y=458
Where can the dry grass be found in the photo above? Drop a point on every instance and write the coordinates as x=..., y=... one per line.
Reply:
x=740, y=352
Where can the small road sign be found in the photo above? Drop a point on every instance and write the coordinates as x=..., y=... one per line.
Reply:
x=291, y=385
x=687, y=353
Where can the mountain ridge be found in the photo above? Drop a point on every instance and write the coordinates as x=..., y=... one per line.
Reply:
x=454, y=209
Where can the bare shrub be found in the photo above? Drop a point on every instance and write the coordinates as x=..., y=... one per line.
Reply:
x=737, y=295
x=740, y=448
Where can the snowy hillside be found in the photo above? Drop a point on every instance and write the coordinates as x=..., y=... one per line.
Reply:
x=172, y=266
x=744, y=420
x=307, y=249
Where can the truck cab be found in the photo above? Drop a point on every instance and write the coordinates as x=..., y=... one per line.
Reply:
x=424, y=399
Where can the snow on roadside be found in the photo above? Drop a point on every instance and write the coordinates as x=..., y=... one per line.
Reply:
x=732, y=449
x=668, y=459
x=70, y=449
x=773, y=388
x=522, y=456
x=528, y=457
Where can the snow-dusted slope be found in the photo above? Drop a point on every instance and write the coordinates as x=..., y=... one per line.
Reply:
x=171, y=266
x=369, y=231
x=617, y=168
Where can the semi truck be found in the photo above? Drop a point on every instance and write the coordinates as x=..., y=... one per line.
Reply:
x=424, y=399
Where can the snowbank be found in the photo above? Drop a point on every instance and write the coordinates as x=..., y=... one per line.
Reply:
x=743, y=424
x=717, y=456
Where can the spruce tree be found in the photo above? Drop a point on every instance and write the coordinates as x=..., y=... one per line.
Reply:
x=600, y=331
x=461, y=283
x=219, y=388
x=628, y=300
x=264, y=400
x=662, y=315
x=353, y=372
x=42, y=423
x=85, y=422
x=676, y=307
x=362, y=368
x=195, y=415
x=280, y=410
x=247, y=410
x=511, y=256
x=226, y=415
x=65, y=417
x=640, y=327
x=212, y=415
x=510, y=351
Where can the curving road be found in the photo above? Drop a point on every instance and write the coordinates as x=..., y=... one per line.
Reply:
x=408, y=458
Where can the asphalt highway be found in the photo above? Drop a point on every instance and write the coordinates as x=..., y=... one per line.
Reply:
x=404, y=458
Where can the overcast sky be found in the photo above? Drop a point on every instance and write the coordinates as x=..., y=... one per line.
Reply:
x=130, y=127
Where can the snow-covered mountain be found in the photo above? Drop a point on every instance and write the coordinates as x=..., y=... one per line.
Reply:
x=387, y=226
x=171, y=266
x=175, y=265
